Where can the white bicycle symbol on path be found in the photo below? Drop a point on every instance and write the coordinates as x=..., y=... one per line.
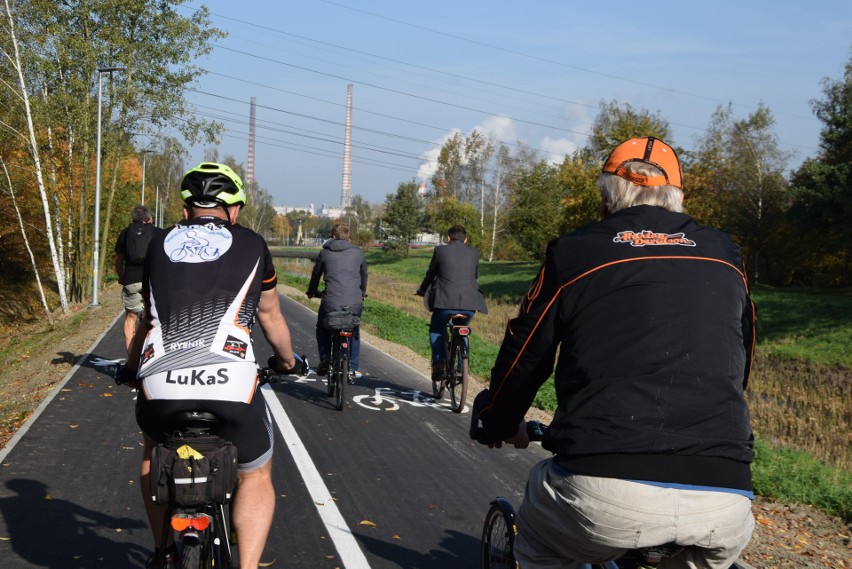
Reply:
x=388, y=399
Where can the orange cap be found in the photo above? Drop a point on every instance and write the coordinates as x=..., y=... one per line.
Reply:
x=651, y=151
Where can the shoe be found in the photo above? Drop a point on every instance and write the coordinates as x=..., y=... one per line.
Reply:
x=171, y=561
x=355, y=375
x=322, y=369
x=437, y=371
x=359, y=374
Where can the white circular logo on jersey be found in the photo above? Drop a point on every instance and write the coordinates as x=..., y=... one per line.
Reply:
x=197, y=243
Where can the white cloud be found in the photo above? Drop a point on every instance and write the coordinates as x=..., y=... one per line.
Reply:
x=499, y=128
x=555, y=149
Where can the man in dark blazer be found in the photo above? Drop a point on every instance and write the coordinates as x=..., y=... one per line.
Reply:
x=450, y=287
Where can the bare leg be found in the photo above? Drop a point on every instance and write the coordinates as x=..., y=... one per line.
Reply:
x=252, y=510
x=131, y=321
x=156, y=513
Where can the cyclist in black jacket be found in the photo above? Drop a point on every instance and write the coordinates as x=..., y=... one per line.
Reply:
x=648, y=318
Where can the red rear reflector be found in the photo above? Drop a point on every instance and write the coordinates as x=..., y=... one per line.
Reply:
x=463, y=331
x=181, y=523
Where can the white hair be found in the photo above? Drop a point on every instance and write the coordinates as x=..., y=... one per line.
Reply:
x=619, y=193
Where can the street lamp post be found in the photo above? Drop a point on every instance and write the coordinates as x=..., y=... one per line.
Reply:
x=144, y=156
x=96, y=250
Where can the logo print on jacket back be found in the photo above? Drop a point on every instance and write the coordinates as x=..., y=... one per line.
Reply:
x=197, y=243
x=648, y=237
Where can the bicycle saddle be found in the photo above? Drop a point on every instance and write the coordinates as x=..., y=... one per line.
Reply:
x=196, y=419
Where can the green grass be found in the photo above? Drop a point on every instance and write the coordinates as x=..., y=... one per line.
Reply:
x=806, y=324
x=791, y=476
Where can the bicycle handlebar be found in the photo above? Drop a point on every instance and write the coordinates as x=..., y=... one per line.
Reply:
x=272, y=374
x=535, y=429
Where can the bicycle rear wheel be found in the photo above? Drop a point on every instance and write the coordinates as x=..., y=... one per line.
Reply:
x=458, y=379
x=330, y=378
x=190, y=557
x=342, y=375
x=498, y=537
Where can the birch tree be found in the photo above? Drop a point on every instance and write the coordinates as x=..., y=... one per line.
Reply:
x=11, y=192
x=14, y=59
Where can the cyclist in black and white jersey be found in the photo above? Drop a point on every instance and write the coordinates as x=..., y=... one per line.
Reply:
x=205, y=281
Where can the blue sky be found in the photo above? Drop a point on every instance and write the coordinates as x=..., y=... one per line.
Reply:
x=532, y=71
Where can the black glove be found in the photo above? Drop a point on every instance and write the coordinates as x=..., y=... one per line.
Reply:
x=477, y=431
x=126, y=376
x=420, y=293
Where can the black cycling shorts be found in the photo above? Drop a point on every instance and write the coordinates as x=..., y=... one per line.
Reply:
x=247, y=425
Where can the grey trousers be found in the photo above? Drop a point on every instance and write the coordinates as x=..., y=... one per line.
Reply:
x=568, y=517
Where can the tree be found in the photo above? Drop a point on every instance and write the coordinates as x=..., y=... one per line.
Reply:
x=362, y=217
x=447, y=179
x=62, y=44
x=537, y=215
x=582, y=202
x=616, y=123
x=742, y=173
x=822, y=189
x=403, y=218
x=447, y=212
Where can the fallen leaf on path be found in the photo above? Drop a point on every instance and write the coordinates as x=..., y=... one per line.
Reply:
x=266, y=563
x=366, y=523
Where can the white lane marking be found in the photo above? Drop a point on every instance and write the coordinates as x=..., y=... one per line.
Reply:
x=347, y=547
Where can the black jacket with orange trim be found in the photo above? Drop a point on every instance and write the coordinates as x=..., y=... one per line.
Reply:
x=649, y=321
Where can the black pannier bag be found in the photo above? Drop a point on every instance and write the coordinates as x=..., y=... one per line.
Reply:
x=340, y=320
x=193, y=471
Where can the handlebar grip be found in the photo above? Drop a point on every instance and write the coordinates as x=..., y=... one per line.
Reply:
x=301, y=367
x=536, y=430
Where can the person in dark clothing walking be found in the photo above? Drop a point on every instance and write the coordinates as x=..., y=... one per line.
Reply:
x=648, y=318
x=450, y=287
x=343, y=268
x=130, y=249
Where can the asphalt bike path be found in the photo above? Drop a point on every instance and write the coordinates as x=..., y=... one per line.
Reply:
x=390, y=481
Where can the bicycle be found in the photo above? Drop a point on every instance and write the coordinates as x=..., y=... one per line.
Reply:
x=457, y=365
x=194, y=472
x=497, y=549
x=341, y=325
x=200, y=524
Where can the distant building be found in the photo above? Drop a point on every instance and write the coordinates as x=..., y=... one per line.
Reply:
x=322, y=211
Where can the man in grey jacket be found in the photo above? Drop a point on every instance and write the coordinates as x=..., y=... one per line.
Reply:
x=450, y=287
x=344, y=270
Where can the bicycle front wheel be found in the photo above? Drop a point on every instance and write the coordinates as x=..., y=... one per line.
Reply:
x=458, y=380
x=498, y=539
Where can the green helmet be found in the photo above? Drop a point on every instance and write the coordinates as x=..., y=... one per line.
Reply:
x=210, y=184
